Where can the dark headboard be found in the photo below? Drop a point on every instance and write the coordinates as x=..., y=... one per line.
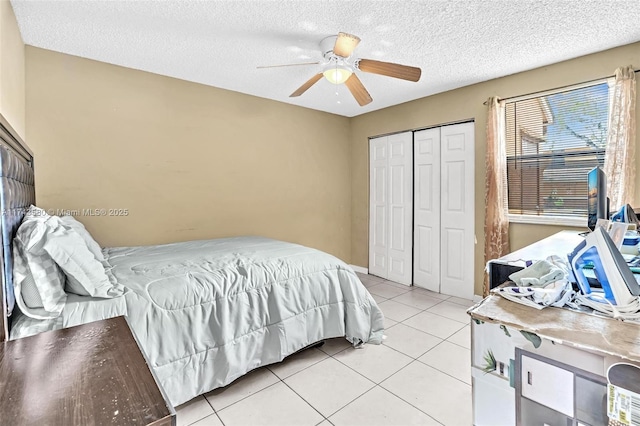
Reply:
x=17, y=193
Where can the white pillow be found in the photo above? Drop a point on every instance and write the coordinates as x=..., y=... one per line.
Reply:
x=29, y=292
x=33, y=265
x=78, y=227
x=28, y=289
x=85, y=274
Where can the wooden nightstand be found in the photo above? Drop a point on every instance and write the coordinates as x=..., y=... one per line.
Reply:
x=92, y=374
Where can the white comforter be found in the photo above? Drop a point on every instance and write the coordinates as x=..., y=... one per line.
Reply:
x=207, y=312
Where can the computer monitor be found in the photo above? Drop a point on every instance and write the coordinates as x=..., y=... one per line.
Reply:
x=597, y=207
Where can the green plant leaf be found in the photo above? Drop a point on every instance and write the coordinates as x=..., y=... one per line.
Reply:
x=504, y=328
x=532, y=337
x=490, y=362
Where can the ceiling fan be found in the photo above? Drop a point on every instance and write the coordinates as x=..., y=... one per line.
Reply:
x=338, y=67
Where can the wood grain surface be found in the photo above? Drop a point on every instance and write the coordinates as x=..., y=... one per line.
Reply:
x=604, y=336
x=92, y=374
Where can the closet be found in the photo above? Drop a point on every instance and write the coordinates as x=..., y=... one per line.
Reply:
x=391, y=207
x=422, y=208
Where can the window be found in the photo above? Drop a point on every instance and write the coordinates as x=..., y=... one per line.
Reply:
x=552, y=141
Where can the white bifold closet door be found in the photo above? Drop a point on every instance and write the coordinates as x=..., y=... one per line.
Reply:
x=391, y=207
x=426, y=221
x=444, y=212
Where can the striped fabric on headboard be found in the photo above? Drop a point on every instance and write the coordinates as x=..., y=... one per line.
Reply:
x=17, y=193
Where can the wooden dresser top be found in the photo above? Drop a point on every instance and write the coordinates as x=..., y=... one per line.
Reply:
x=92, y=374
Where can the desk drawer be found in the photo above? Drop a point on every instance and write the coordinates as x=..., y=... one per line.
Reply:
x=548, y=385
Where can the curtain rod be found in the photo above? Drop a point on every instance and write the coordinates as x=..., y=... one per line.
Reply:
x=557, y=88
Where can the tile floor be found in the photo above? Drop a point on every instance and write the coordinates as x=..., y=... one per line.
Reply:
x=420, y=375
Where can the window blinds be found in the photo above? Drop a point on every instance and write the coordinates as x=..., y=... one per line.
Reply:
x=552, y=142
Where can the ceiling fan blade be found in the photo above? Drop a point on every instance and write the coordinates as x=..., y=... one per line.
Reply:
x=389, y=69
x=313, y=80
x=288, y=65
x=345, y=44
x=358, y=91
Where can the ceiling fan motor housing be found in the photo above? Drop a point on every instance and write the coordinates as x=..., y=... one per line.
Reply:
x=326, y=47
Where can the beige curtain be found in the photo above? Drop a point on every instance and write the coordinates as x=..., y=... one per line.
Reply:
x=619, y=163
x=496, y=223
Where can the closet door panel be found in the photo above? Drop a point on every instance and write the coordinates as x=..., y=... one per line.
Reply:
x=378, y=232
x=451, y=267
x=400, y=198
x=426, y=249
x=457, y=210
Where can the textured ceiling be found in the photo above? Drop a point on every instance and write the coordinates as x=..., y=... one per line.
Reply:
x=220, y=43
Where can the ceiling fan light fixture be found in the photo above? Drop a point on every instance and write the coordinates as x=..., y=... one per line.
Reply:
x=339, y=68
x=337, y=74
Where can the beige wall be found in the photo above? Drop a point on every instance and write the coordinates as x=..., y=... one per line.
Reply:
x=191, y=161
x=12, y=65
x=464, y=104
x=188, y=161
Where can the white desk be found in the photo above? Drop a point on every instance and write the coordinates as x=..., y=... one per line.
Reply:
x=580, y=340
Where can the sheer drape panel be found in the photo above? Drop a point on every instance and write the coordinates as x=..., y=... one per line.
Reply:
x=496, y=223
x=619, y=164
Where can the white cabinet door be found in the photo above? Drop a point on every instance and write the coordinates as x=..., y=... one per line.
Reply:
x=457, y=210
x=426, y=237
x=548, y=385
x=378, y=227
x=391, y=207
x=400, y=200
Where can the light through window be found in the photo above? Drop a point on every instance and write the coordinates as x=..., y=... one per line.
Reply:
x=552, y=142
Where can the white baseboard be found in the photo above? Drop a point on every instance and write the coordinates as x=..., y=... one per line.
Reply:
x=360, y=269
x=476, y=297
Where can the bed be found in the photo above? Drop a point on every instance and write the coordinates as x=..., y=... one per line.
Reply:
x=204, y=312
